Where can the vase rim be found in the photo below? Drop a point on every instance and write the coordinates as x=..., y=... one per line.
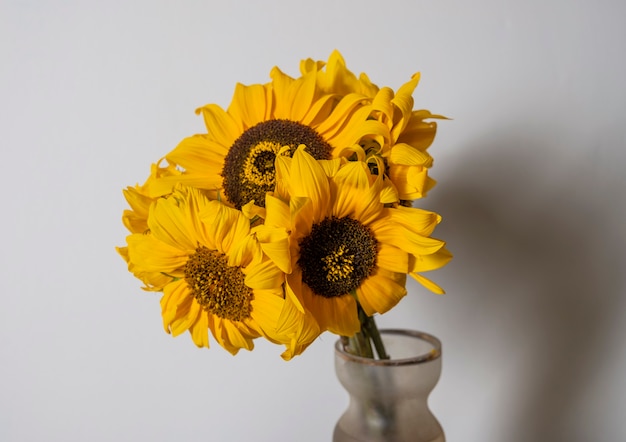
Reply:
x=431, y=355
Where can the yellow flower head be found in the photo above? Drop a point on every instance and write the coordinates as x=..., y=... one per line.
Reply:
x=135, y=220
x=346, y=243
x=329, y=110
x=139, y=198
x=391, y=129
x=218, y=277
x=401, y=137
x=235, y=158
x=292, y=214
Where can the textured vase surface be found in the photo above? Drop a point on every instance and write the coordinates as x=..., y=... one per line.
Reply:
x=389, y=398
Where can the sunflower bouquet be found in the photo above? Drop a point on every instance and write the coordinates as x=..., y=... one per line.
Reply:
x=292, y=215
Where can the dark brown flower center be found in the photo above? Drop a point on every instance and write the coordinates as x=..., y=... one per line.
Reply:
x=337, y=256
x=249, y=165
x=218, y=287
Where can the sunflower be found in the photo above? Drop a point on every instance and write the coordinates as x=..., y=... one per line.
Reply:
x=401, y=137
x=347, y=245
x=219, y=277
x=139, y=198
x=391, y=130
x=135, y=220
x=234, y=160
x=329, y=110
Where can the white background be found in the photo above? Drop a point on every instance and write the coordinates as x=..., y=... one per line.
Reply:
x=531, y=187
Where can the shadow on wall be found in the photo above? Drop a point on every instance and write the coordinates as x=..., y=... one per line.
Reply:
x=540, y=249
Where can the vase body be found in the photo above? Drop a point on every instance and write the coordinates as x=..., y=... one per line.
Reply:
x=388, y=398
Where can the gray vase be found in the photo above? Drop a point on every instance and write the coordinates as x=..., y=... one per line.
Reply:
x=388, y=398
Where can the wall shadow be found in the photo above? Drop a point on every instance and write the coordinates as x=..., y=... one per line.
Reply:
x=538, y=241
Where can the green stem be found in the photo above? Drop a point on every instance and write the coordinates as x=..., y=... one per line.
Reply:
x=361, y=343
x=374, y=334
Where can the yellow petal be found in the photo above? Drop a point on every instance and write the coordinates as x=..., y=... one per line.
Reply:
x=293, y=286
x=252, y=211
x=412, y=182
x=424, y=263
x=382, y=104
x=123, y=251
x=406, y=90
x=282, y=167
x=231, y=338
x=148, y=254
x=220, y=126
x=418, y=220
x=355, y=174
x=359, y=128
x=200, y=330
x=389, y=194
x=296, y=329
x=302, y=212
x=428, y=284
x=186, y=314
x=225, y=226
x=331, y=167
x=266, y=309
x=282, y=85
x=265, y=275
x=392, y=258
x=172, y=221
x=173, y=295
x=404, y=238
x=337, y=315
x=378, y=294
x=418, y=133
x=301, y=97
x=310, y=65
x=135, y=219
x=199, y=154
x=277, y=212
x=403, y=102
x=319, y=111
x=166, y=185
x=355, y=196
x=407, y=155
x=346, y=108
x=308, y=179
x=251, y=104
x=275, y=244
